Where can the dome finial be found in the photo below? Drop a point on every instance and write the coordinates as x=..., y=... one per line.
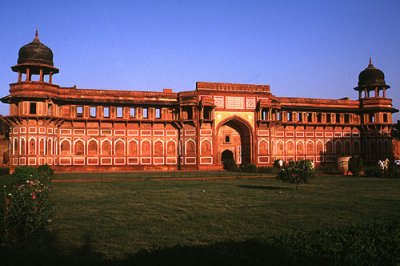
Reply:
x=370, y=65
x=36, y=36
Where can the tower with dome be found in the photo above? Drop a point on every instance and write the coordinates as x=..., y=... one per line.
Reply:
x=89, y=130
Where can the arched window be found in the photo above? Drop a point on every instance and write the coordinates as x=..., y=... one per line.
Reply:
x=146, y=148
x=320, y=147
x=49, y=147
x=79, y=148
x=106, y=148
x=290, y=148
x=347, y=147
x=119, y=148
x=158, y=148
x=372, y=149
x=300, y=148
x=171, y=148
x=56, y=147
x=133, y=148
x=279, y=147
x=65, y=147
x=356, y=147
x=386, y=147
x=263, y=148
x=41, y=146
x=190, y=148
x=329, y=147
x=92, y=148
x=32, y=146
x=23, y=146
x=15, y=146
x=381, y=149
x=310, y=148
x=338, y=148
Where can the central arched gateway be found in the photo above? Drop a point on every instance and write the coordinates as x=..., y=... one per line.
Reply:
x=234, y=135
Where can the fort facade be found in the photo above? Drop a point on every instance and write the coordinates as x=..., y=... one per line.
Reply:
x=74, y=129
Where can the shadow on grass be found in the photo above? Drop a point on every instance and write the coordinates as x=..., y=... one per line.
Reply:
x=365, y=244
x=249, y=252
x=262, y=187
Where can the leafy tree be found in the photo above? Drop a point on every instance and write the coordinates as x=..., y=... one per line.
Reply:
x=355, y=165
x=396, y=130
x=297, y=172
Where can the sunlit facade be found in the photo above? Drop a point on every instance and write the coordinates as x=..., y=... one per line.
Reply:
x=74, y=129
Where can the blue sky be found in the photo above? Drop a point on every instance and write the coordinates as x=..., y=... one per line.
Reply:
x=300, y=48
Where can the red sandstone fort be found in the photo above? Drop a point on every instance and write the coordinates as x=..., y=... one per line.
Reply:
x=74, y=129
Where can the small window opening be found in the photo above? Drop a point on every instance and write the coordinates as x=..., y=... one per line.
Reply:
x=106, y=111
x=119, y=112
x=32, y=108
x=346, y=118
x=93, y=111
x=145, y=113
x=300, y=117
x=158, y=113
x=337, y=118
x=79, y=111
x=132, y=112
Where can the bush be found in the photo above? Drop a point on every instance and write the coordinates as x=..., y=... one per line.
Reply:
x=365, y=244
x=276, y=163
x=355, y=165
x=394, y=172
x=26, y=207
x=297, y=172
x=248, y=168
x=230, y=164
x=373, y=171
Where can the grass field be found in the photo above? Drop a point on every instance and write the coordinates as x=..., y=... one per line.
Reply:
x=115, y=220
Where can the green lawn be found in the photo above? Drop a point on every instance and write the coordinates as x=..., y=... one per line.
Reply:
x=124, y=215
x=120, y=218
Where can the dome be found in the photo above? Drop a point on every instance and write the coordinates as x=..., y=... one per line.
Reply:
x=371, y=76
x=35, y=53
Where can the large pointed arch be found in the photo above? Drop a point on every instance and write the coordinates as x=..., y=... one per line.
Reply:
x=244, y=151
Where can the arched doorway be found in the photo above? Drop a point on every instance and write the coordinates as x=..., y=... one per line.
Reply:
x=226, y=155
x=234, y=136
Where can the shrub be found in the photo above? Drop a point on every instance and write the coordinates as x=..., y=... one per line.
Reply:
x=373, y=171
x=297, y=172
x=26, y=207
x=229, y=164
x=395, y=172
x=276, y=163
x=365, y=244
x=355, y=165
x=45, y=173
x=249, y=168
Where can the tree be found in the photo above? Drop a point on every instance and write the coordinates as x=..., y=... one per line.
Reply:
x=297, y=172
x=355, y=165
x=396, y=130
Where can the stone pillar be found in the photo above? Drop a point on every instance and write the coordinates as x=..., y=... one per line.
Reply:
x=28, y=75
x=51, y=77
x=19, y=76
x=41, y=75
x=384, y=92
